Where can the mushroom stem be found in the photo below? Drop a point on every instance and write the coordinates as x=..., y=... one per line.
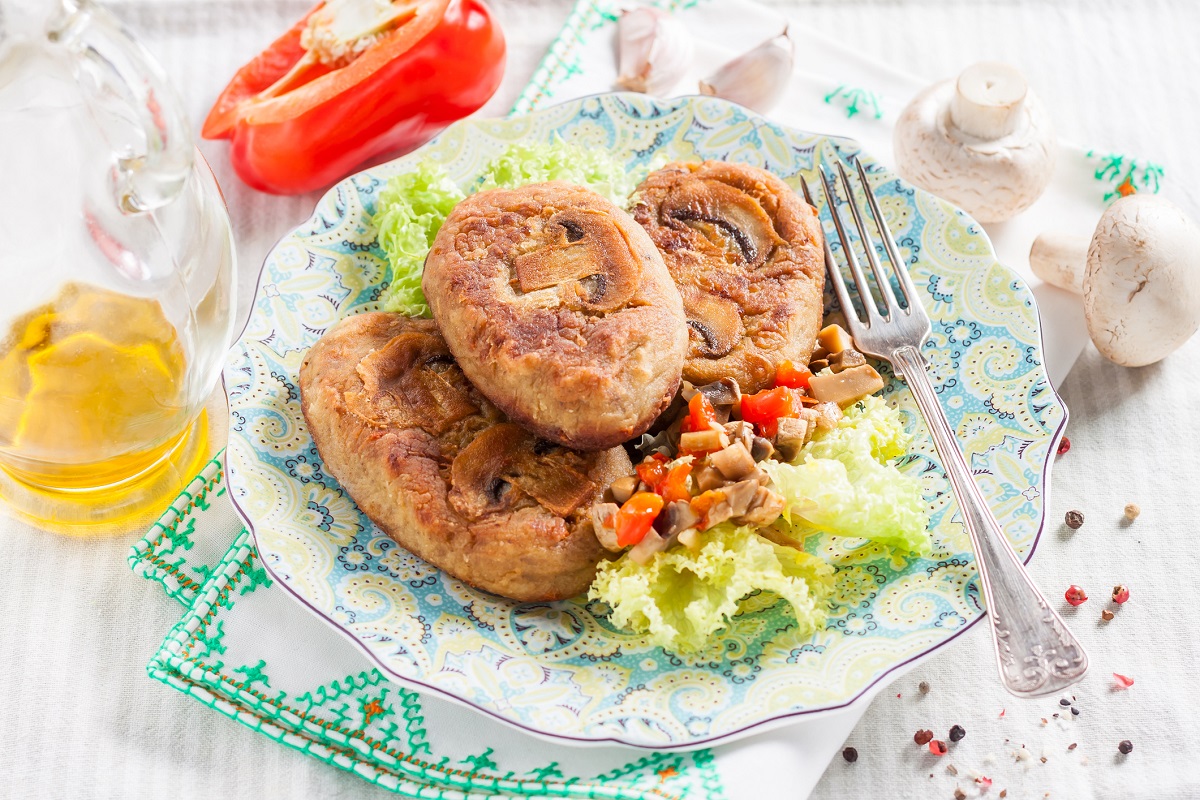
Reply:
x=1060, y=259
x=988, y=100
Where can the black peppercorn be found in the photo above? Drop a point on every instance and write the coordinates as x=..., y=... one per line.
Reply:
x=850, y=754
x=1074, y=520
x=957, y=733
x=1126, y=747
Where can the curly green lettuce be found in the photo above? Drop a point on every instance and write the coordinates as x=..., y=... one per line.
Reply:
x=410, y=211
x=681, y=598
x=413, y=205
x=559, y=160
x=843, y=483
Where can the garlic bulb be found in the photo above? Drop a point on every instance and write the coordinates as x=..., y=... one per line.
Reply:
x=756, y=79
x=654, y=51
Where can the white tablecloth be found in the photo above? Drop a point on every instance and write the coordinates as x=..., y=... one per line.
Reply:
x=76, y=629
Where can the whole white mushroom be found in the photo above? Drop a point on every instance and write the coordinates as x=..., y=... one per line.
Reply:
x=1139, y=276
x=983, y=141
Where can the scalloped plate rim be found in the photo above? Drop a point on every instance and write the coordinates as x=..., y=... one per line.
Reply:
x=774, y=722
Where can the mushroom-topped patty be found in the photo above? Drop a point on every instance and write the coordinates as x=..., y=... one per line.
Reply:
x=440, y=469
x=558, y=307
x=746, y=253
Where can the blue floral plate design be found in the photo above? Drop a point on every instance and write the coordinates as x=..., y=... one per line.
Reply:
x=560, y=669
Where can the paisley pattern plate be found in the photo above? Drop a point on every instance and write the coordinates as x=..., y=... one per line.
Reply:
x=560, y=669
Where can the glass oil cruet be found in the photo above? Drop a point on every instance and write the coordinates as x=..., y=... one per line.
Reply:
x=117, y=263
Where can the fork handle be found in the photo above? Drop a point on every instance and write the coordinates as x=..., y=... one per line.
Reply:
x=1037, y=654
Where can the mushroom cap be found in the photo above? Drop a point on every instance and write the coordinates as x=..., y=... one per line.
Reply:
x=1141, y=291
x=990, y=179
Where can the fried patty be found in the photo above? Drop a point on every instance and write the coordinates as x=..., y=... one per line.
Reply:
x=440, y=470
x=746, y=253
x=558, y=307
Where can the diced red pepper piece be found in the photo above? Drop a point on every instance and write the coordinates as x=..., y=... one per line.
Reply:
x=767, y=407
x=674, y=487
x=653, y=470
x=636, y=517
x=789, y=375
x=701, y=414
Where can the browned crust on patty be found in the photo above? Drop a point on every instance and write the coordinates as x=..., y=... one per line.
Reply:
x=557, y=305
x=392, y=415
x=746, y=253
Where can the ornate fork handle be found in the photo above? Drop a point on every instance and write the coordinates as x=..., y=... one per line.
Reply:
x=1038, y=655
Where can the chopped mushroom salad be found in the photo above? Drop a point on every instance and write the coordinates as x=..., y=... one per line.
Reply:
x=727, y=486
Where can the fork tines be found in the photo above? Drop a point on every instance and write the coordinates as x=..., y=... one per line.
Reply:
x=892, y=311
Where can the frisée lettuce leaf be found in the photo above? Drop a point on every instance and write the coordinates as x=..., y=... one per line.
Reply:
x=410, y=211
x=559, y=160
x=681, y=597
x=842, y=483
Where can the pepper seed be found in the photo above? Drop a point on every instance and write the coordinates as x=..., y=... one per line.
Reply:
x=1074, y=519
x=1126, y=747
x=1132, y=511
x=957, y=733
x=959, y=794
x=923, y=737
x=923, y=687
x=850, y=754
x=1106, y=615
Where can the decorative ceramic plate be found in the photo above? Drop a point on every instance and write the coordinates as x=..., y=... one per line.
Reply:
x=560, y=669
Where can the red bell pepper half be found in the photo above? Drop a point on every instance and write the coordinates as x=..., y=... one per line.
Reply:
x=350, y=82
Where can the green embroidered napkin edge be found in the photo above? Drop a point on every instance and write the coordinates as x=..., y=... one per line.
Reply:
x=175, y=665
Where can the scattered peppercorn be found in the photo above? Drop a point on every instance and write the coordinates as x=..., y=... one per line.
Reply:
x=938, y=747
x=1106, y=615
x=959, y=794
x=957, y=733
x=1072, y=745
x=1074, y=519
x=850, y=754
x=1126, y=747
x=923, y=687
x=1064, y=446
x=1044, y=759
x=1064, y=702
x=1120, y=593
x=1123, y=681
x=1074, y=711
x=1004, y=792
x=1132, y=511
x=923, y=737
x=1076, y=597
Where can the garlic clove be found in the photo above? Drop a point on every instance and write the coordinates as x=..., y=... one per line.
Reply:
x=756, y=79
x=654, y=51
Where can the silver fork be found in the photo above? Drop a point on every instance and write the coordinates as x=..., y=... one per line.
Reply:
x=1036, y=653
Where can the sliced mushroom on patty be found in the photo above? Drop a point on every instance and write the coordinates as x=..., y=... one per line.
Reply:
x=440, y=470
x=745, y=251
x=557, y=305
